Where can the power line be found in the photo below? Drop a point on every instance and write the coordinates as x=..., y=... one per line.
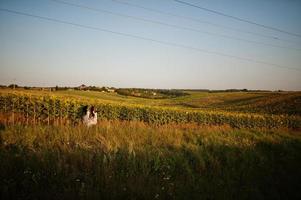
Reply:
x=171, y=25
x=201, y=21
x=148, y=39
x=237, y=18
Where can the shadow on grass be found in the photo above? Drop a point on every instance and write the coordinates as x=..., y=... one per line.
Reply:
x=266, y=171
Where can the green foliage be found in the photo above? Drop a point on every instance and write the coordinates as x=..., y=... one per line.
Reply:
x=13, y=86
x=48, y=108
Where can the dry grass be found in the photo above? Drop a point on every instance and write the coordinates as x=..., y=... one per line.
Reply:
x=133, y=160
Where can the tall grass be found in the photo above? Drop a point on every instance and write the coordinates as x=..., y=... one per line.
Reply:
x=134, y=160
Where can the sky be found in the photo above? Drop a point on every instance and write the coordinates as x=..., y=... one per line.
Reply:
x=114, y=44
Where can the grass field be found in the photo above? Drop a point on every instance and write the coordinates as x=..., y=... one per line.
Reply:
x=132, y=160
x=124, y=158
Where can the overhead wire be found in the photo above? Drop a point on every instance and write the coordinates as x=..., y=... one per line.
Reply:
x=238, y=18
x=172, y=25
x=273, y=37
x=148, y=39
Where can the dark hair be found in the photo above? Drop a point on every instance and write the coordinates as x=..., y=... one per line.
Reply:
x=92, y=109
x=84, y=110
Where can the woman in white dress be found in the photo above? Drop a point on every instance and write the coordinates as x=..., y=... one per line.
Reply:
x=90, y=118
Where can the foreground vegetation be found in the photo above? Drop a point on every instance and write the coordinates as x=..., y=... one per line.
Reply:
x=133, y=160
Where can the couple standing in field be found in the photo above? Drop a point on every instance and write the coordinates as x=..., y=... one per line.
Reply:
x=90, y=116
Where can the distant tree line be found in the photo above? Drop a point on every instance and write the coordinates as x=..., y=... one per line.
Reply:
x=95, y=88
x=150, y=93
x=228, y=90
x=137, y=92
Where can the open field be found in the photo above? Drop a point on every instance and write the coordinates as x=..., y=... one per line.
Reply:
x=133, y=160
x=255, y=102
x=238, y=145
x=232, y=109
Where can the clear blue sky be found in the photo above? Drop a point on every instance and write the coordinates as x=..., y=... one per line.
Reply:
x=43, y=53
